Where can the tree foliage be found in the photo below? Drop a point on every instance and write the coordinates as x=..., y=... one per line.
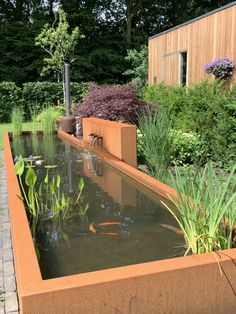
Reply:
x=58, y=43
x=111, y=27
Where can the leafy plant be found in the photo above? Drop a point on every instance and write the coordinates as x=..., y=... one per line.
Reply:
x=139, y=66
x=205, y=209
x=38, y=95
x=187, y=148
x=17, y=120
x=206, y=109
x=46, y=199
x=119, y=103
x=157, y=142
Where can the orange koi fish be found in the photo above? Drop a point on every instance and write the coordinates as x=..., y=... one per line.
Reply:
x=92, y=228
x=113, y=234
x=172, y=228
x=109, y=223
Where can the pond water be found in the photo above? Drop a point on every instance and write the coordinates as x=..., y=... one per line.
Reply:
x=131, y=224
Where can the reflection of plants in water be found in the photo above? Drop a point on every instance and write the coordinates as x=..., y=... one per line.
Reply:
x=48, y=148
x=46, y=200
x=18, y=146
x=35, y=144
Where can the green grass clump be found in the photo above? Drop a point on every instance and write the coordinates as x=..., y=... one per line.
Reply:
x=48, y=120
x=205, y=209
x=17, y=116
x=156, y=142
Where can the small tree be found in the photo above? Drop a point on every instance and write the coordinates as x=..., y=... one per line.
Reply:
x=59, y=44
x=139, y=66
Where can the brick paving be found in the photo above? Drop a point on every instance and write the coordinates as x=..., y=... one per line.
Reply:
x=8, y=292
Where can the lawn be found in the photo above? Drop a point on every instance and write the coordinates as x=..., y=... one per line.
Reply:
x=8, y=127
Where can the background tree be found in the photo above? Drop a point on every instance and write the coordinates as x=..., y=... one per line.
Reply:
x=59, y=44
x=110, y=26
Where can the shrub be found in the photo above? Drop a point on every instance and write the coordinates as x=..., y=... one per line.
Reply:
x=207, y=109
x=115, y=103
x=10, y=96
x=187, y=148
x=138, y=70
x=38, y=95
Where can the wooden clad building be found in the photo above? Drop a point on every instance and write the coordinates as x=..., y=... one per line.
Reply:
x=178, y=55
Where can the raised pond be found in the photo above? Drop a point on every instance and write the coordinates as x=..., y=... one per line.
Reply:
x=125, y=223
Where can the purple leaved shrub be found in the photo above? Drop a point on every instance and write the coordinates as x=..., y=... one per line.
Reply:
x=115, y=103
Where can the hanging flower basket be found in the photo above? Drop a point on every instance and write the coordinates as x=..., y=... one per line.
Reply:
x=221, y=67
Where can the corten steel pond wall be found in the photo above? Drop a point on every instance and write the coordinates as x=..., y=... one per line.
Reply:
x=191, y=284
x=118, y=139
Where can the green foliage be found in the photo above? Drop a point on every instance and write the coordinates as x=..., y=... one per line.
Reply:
x=187, y=148
x=10, y=96
x=47, y=198
x=207, y=109
x=17, y=120
x=56, y=112
x=139, y=66
x=48, y=117
x=206, y=209
x=58, y=44
x=35, y=96
x=157, y=142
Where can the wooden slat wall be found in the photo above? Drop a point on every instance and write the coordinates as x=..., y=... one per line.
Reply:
x=205, y=39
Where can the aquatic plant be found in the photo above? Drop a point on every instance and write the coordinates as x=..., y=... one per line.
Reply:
x=205, y=209
x=156, y=142
x=46, y=199
x=17, y=120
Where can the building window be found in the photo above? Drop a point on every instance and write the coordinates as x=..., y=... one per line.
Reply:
x=183, y=68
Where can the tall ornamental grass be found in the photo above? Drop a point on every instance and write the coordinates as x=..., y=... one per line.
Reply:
x=156, y=142
x=48, y=120
x=17, y=120
x=206, y=209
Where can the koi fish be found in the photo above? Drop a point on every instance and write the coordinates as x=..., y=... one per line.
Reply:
x=108, y=223
x=113, y=234
x=172, y=228
x=92, y=229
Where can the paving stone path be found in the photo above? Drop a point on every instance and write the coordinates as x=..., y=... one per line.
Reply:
x=8, y=293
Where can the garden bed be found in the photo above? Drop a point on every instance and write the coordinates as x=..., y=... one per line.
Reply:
x=178, y=285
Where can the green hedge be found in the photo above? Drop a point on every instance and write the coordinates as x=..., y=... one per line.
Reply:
x=35, y=96
x=207, y=109
x=10, y=96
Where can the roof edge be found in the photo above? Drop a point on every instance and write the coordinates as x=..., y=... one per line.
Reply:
x=194, y=20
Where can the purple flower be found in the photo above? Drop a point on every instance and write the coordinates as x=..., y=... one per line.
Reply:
x=31, y=157
x=16, y=158
x=221, y=67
